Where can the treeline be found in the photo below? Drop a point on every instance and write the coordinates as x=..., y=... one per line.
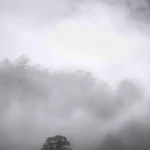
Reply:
x=36, y=90
x=35, y=83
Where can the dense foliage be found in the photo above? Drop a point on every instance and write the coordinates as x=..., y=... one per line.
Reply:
x=56, y=143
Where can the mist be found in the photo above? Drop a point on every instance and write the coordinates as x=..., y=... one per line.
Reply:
x=87, y=76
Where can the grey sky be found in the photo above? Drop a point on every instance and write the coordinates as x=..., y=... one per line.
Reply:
x=66, y=34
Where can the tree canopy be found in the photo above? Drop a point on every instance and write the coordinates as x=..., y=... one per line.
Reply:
x=56, y=143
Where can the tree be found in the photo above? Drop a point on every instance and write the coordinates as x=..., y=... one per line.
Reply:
x=22, y=61
x=56, y=143
x=6, y=64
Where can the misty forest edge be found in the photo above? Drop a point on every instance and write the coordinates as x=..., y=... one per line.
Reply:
x=26, y=79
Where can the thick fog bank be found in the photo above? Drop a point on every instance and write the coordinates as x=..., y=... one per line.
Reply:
x=36, y=104
x=96, y=88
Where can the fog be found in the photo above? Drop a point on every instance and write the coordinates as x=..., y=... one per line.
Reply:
x=97, y=55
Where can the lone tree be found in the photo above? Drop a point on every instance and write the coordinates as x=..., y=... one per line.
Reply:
x=56, y=143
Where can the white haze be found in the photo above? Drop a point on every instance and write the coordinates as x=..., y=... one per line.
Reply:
x=97, y=37
x=70, y=35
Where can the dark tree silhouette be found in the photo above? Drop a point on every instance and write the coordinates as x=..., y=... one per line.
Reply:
x=56, y=143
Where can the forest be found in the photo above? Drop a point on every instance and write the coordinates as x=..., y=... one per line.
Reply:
x=36, y=103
